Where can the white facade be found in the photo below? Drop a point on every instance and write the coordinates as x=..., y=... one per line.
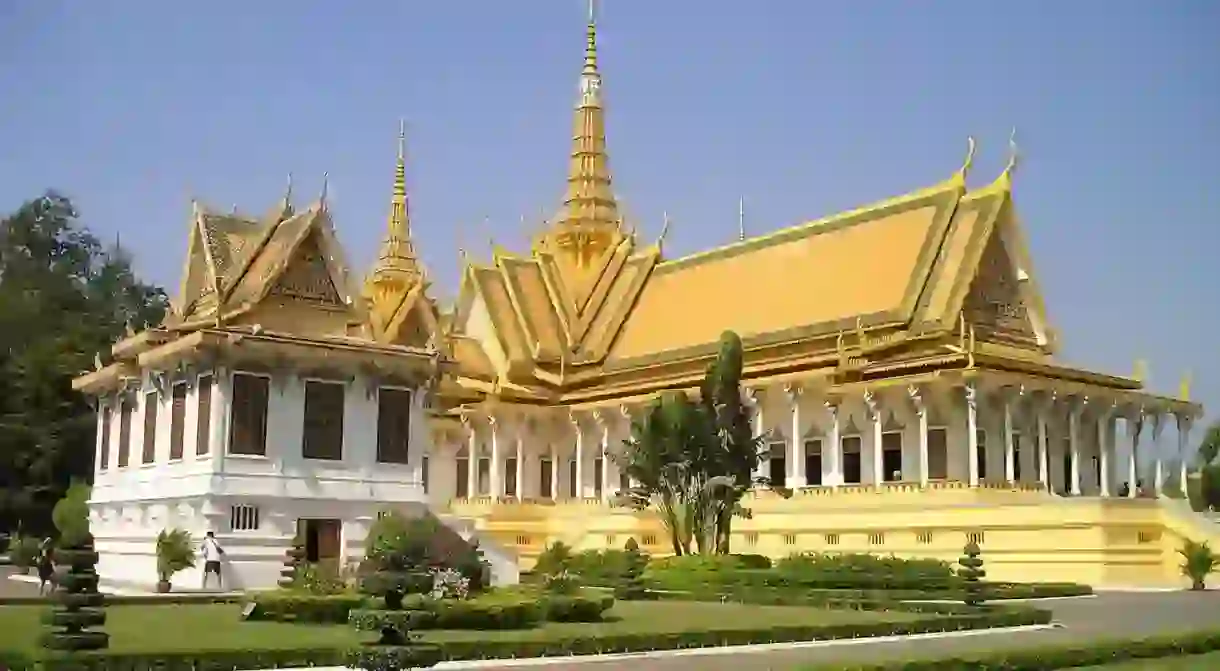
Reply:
x=252, y=503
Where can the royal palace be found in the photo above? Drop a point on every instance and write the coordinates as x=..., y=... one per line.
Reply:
x=899, y=361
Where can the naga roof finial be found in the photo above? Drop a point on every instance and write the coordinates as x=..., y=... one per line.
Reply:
x=969, y=162
x=664, y=228
x=1014, y=154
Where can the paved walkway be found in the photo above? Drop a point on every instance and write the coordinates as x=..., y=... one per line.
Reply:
x=1107, y=616
x=15, y=588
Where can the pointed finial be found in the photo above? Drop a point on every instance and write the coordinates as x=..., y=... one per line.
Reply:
x=1139, y=371
x=1014, y=154
x=1184, y=386
x=591, y=41
x=402, y=138
x=741, y=218
x=969, y=162
x=664, y=228
x=288, y=190
x=325, y=189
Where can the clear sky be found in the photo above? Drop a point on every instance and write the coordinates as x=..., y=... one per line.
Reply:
x=803, y=108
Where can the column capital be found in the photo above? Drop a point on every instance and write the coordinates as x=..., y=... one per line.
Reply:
x=918, y=396
x=753, y=395
x=625, y=411
x=574, y=419
x=971, y=392
x=492, y=420
x=873, y=402
x=602, y=417
x=832, y=407
x=1185, y=421
x=793, y=391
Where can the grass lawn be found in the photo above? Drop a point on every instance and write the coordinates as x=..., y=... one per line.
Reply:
x=146, y=628
x=1188, y=663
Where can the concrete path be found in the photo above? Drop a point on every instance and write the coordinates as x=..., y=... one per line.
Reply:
x=16, y=588
x=1107, y=616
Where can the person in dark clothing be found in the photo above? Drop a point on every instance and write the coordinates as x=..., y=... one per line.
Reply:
x=46, y=567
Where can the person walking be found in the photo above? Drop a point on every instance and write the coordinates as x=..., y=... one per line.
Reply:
x=46, y=567
x=212, y=552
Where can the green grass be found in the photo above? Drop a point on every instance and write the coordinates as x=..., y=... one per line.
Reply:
x=169, y=628
x=1188, y=663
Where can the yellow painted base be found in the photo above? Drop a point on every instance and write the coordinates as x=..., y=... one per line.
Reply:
x=1026, y=535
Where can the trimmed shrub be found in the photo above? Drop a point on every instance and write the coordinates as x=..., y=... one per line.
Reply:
x=1198, y=562
x=555, y=558
x=24, y=552
x=294, y=557
x=631, y=585
x=971, y=573
x=79, y=608
x=865, y=571
x=288, y=606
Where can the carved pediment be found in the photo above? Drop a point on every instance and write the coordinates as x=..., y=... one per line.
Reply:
x=995, y=305
x=307, y=277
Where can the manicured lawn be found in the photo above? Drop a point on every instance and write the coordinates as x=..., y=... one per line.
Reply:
x=218, y=626
x=1189, y=663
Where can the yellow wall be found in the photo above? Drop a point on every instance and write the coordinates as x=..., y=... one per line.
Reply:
x=1026, y=535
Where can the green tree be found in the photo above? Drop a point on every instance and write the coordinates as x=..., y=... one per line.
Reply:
x=1209, y=447
x=63, y=298
x=740, y=450
x=694, y=462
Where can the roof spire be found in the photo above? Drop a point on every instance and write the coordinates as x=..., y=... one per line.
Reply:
x=397, y=269
x=1014, y=154
x=589, y=202
x=399, y=223
x=741, y=218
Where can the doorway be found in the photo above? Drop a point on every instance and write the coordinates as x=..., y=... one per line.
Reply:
x=321, y=538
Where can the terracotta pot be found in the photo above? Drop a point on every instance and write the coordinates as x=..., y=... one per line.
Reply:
x=163, y=587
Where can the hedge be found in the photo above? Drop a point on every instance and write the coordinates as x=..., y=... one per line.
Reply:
x=1049, y=658
x=135, y=599
x=518, y=613
x=302, y=607
x=499, y=648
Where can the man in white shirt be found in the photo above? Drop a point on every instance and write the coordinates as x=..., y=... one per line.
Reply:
x=212, y=552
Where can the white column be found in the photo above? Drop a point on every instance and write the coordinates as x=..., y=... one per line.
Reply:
x=1134, y=428
x=1103, y=450
x=972, y=434
x=757, y=401
x=496, y=481
x=519, y=470
x=833, y=448
x=554, y=475
x=604, y=422
x=1158, y=472
x=579, y=487
x=874, y=414
x=1184, y=425
x=921, y=412
x=472, y=459
x=625, y=411
x=1074, y=448
x=1044, y=466
x=1009, y=453
x=796, y=475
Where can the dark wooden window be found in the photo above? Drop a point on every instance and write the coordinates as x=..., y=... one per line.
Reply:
x=104, y=447
x=393, y=425
x=150, y=427
x=545, y=478
x=203, y=428
x=424, y=468
x=248, y=417
x=125, y=410
x=177, y=421
x=243, y=518
x=323, y=435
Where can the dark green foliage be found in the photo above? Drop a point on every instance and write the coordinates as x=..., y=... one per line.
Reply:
x=972, y=574
x=631, y=586
x=79, y=610
x=311, y=608
x=294, y=558
x=555, y=558
x=1198, y=562
x=71, y=515
x=63, y=297
x=1209, y=487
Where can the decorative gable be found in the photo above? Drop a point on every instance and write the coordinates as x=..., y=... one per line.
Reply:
x=307, y=277
x=995, y=305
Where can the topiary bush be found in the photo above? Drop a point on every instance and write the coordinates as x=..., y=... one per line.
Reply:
x=396, y=564
x=971, y=573
x=631, y=586
x=294, y=557
x=79, y=606
x=1198, y=562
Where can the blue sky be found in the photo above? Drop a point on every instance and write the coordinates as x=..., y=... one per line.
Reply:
x=803, y=108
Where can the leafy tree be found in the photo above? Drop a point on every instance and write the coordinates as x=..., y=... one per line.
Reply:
x=63, y=298
x=740, y=450
x=1209, y=447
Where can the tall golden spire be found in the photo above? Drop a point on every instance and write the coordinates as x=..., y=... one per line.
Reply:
x=397, y=269
x=589, y=204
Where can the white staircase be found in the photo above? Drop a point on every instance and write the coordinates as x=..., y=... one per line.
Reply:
x=505, y=569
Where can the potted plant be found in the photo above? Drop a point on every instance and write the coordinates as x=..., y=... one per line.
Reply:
x=1199, y=562
x=175, y=552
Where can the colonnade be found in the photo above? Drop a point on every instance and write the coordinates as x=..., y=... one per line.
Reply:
x=1063, y=443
